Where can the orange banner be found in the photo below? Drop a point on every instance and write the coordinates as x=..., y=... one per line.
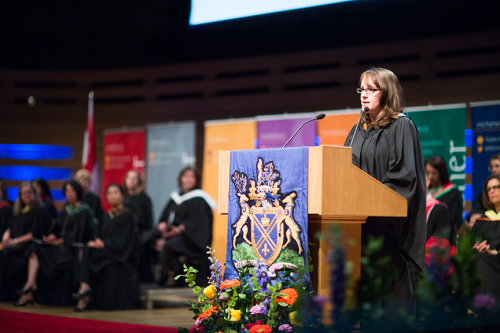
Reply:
x=223, y=135
x=335, y=127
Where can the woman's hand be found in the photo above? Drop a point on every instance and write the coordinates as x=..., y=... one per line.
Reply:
x=53, y=240
x=96, y=244
x=9, y=242
x=473, y=219
x=162, y=227
x=484, y=247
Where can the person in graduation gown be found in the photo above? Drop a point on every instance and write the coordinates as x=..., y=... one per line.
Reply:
x=44, y=196
x=185, y=229
x=110, y=262
x=5, y=210
x=387, y=146
x=443, y=190
x=55, y=264
x=30, y=220
x=139, y=205
x=83, y=177
x=479, y=208
x=487, y=229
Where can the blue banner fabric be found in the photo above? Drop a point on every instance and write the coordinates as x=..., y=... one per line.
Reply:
x=485, y=119
x=267, y=217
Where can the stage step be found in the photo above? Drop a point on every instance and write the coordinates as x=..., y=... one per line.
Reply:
x=152, y=292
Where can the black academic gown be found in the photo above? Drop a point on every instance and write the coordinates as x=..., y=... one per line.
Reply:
x=393, y=156
x=439, y=223
x=478, y=208
x=60, y=266
x=14, y=260
x=488, y=229
x=453, y=199
x=141, y=209
x=5, y=215
x=197, y=217
x=95, y=204
x=112, y=271
x=48, y=203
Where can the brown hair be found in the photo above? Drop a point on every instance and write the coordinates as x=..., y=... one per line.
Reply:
x=19, y=204
x=486, y=198
x=392, y=98
x=139, y=182
x=196, y=175
x=437, y=162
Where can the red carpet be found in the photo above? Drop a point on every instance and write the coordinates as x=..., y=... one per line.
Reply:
x=13, y=321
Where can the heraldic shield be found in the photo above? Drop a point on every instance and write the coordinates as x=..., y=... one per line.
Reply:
x=268, y=215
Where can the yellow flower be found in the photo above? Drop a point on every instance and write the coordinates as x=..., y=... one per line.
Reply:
x=210, y=291
x=293, y=318
x=235, y=315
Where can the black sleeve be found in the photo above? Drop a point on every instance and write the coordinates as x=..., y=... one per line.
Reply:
x=439, y=223
x=99, y=212
x=122, y=243
x=42, y=224
x=455, y=207
x=5, y=217
x=198, y=225
x=165, y=215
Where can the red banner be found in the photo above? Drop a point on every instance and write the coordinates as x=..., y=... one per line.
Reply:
x=123, y=151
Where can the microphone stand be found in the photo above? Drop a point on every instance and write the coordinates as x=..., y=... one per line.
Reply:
x=357, y=125
x=318, y=117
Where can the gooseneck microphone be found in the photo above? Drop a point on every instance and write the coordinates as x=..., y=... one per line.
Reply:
x=318, y=117
x=365, y=109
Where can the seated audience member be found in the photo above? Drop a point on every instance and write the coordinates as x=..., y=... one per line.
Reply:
x=479, y=208
x=110, y=260
x=3, y=187
x=5, y=210
x=487, y=229
x=44, y=196
x=29, y=221
x=185, y=229
x=54, y=266
x=139, y=205
x=443, y=190
x=439, y=235
x=83, y=177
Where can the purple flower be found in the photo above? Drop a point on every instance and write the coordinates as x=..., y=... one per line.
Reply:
x=199, y=321
x=285, y=328
x=484, y=301
x=320, y=301
x=257, y=309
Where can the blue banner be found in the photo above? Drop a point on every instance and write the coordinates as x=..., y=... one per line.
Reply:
x=267, y=217
x=485, y=118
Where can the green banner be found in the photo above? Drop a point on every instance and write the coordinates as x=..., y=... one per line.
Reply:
x=442, y=132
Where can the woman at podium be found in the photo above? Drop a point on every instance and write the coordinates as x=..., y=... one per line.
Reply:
x=387, y=147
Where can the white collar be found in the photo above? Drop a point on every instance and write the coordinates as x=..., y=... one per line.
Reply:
x=178, y=199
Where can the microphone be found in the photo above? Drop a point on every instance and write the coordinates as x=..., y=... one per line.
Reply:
x=318, y=117
x=365, y=109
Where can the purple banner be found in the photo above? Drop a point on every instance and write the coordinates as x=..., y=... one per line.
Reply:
x=275, y=133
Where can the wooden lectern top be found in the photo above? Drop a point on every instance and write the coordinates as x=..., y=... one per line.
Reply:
x=337, y=189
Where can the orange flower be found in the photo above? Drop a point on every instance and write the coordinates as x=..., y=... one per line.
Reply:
x=207, y=313
x=289, y=297
x=229, y=284
x=260, y=329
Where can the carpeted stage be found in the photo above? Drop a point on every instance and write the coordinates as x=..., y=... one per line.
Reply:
x=41, y=318
x=14, y=321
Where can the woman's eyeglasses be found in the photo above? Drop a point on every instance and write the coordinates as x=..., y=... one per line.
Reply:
x=496, y=187
x=369, y=91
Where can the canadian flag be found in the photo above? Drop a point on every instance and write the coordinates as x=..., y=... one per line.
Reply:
x=89, y=161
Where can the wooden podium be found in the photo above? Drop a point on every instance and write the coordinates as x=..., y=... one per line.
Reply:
x=339, y=193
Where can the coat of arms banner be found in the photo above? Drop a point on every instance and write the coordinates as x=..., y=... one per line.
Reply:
x=267, y=217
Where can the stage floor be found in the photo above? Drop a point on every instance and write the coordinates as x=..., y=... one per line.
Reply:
x=164, y=314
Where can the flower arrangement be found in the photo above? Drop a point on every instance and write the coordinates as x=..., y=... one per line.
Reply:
x=253, y=302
